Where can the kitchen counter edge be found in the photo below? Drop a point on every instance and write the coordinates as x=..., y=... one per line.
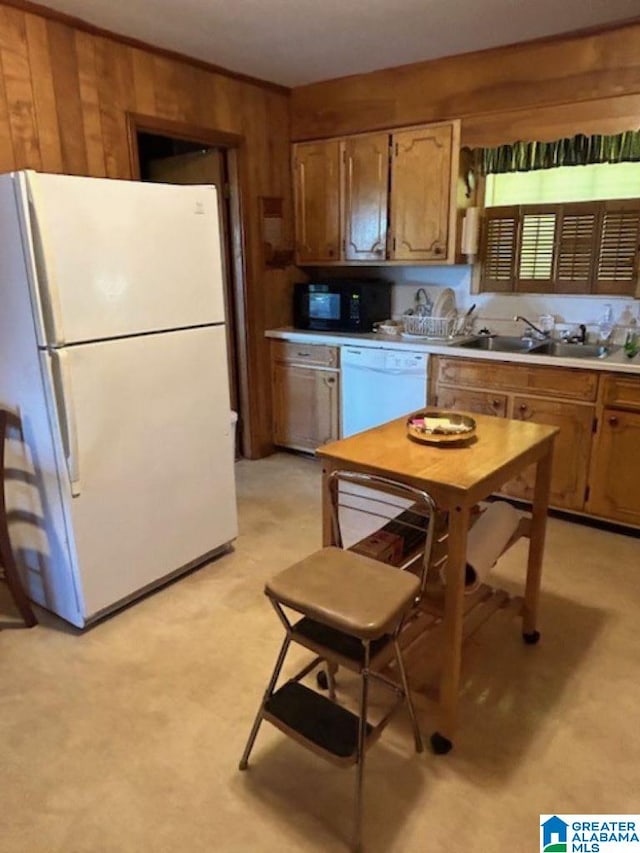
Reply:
x=616, y=362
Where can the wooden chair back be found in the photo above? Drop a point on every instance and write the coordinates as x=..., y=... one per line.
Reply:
x=404, y=537
x=10, y=421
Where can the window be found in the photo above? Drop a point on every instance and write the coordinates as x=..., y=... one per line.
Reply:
x=597, y=182
x=578, y=247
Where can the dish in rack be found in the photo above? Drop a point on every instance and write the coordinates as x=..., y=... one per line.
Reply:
x=445, y=304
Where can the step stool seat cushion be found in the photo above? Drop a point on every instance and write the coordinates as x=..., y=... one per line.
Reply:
x=346, y=591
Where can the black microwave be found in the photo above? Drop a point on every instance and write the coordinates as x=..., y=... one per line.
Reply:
x=341, y=306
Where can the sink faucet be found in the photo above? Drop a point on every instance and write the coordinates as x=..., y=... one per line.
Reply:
x=580, y=338
x=538, y=331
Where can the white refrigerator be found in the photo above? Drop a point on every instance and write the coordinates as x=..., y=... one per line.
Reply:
x=113, y=352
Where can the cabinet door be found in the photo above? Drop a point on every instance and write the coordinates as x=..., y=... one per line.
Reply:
x=305, y=406
x=571, y=452
x=317, y=201
x=421, y=193
x=484, y=403
x=327, y=407
x=366, y=190
x=615, y=474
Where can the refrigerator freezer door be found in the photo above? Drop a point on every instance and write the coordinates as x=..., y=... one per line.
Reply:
x=116, y=258
x=154, y=459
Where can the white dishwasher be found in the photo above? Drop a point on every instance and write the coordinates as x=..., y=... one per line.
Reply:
x=378, y=385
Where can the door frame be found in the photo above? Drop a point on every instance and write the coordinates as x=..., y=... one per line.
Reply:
x=234, y=149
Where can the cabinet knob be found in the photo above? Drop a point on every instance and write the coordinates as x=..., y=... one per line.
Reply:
x=331, y=252
x=613, y=420
x=331, y=380
x=523, y=407
x=437, y=250
x=495, y=403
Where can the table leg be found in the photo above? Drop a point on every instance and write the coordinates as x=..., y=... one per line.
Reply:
x=327, y=681
x=442, y=740
x=328, y=533
x=536, y=547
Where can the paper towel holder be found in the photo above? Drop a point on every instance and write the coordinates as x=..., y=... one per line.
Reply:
x=470, y=234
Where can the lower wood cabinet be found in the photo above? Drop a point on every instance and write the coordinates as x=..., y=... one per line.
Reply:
x=596, y=460
x=493, y=388
x=305, y=396
x=615, y=472
x=571, y=453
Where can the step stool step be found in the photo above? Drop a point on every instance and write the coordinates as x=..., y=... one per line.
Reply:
x=315, y=721
x=337, y=641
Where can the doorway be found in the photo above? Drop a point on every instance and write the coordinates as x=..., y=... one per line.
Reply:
x=164, y=158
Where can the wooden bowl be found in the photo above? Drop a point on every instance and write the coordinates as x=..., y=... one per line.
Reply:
x=442, y=426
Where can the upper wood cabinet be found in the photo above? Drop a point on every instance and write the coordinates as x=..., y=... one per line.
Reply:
x=421, y=193
x=316, y=185
x=366, y=192
x=385, y=197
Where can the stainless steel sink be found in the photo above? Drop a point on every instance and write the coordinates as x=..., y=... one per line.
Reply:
x=560, y=349
x=503, y=343
x=564, y=350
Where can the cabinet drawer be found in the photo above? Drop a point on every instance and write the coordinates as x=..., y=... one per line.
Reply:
x=462, y=399
x=537, y=379
x=622, y=391
x=312, y=354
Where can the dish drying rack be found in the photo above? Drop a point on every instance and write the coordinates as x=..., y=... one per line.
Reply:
x=430, y=327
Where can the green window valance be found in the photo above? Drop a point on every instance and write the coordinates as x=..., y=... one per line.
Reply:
x=573, y=151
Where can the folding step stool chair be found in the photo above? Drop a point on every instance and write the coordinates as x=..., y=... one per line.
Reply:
x=353, y=609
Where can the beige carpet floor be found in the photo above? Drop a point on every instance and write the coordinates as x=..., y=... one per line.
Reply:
x=126, y=738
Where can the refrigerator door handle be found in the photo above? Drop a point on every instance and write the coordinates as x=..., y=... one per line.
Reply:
x=67, y=415
x=45, y=281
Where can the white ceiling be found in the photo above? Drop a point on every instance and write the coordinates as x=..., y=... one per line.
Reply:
x=293, y=42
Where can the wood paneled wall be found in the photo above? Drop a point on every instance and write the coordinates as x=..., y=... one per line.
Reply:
x=550, y=87
x=64, y=98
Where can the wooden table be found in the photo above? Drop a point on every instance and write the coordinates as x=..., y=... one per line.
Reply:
x=457, y=477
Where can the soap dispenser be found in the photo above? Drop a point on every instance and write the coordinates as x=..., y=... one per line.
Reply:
x=628, y=318
x=605, y=326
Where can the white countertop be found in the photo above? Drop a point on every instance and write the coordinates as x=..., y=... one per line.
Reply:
x=617, y=361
